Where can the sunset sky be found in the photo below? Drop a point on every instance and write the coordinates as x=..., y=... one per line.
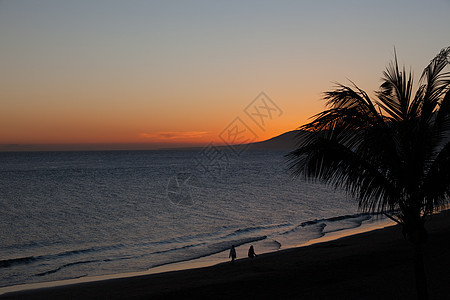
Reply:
x=153, y=74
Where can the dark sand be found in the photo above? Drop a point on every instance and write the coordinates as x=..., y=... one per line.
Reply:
x=372, y=265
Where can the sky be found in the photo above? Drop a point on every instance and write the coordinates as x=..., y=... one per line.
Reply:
x=111, y=74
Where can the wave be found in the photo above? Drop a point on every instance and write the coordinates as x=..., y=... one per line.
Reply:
x=18, y=261
x=215, y=241
x=206, y=251
x=199, y=250
x=88, y=250
x=271, y=245
x=212, y=236
x=189, y=247
x=317, y=228
x=347, y=223
x=32, y=259
x=182, y=238
x=357, y=218
x=215, y=248
x=67, y=265
x=256, y=228
x=225, y=245
x=176, y=249
x=335, y=219
x=277, y=243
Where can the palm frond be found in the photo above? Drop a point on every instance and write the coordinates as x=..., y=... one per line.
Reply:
x=441, y=125
x=330, y=162
x=395, y=91
x=434, y=83
x=350, y=108
x=436, y=185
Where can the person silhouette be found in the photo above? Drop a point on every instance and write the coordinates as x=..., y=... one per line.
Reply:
x=251, y=252
x=232, y=254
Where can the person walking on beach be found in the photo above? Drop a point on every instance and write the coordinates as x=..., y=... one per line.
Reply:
x=251, y=253
x=232, y=254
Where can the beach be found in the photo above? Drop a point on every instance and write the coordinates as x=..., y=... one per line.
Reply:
x=372, y=265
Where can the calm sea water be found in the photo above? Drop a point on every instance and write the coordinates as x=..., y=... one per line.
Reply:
x=74, y=214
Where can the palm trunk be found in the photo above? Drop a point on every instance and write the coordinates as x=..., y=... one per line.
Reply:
x=419, y=269
x=417, y=235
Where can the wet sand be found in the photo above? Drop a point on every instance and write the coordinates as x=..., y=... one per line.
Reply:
x=373, y=265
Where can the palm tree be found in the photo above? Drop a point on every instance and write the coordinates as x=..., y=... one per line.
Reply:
x=392, y=153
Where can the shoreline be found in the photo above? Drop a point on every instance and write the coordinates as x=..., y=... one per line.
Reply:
x=373, y=265
x=202, y=262
x=376, y=264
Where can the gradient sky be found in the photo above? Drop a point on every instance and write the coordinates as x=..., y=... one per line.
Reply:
x=149, y=74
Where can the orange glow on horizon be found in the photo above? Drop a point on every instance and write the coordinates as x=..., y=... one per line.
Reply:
x=128, y=126
x=95, y=140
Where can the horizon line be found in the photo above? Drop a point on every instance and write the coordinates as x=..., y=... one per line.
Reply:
x=66, y=147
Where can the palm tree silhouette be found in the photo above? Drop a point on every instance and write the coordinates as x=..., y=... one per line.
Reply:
x=392, y=153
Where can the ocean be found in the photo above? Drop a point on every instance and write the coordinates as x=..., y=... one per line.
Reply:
x=69, y=214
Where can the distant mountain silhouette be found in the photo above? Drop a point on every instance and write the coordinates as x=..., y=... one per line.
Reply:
x=285, y=141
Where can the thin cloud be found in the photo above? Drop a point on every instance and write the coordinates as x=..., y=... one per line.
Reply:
x=173, y=135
